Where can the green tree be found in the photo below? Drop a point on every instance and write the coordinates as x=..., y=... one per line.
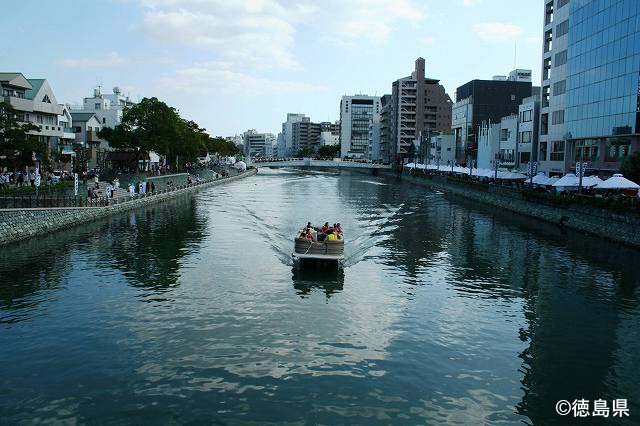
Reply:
x=307, y=151
x=329, y=151
x=17, y=147
x=222, y=147
x=631, y=167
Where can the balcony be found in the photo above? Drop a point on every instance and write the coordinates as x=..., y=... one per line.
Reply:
x=20, y=104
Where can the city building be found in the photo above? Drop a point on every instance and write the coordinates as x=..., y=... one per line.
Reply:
x=305, y=136
x=497, y=143
x=329, y=133
x=86, y=126
x=485, y=101
x=442, y=149
x=373, y=152
x=285, y=147
x=258, y=145
x=590, y=108
x=34, y=102
x=355, y=114
x=386, y=131
x=108, y=107
x=527, y=148
x=418, y=106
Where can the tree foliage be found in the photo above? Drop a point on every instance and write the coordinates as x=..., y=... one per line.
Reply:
x=329, y=151
x=631, y=167
x=152, y=125
x=17, y=147
x=222, y=147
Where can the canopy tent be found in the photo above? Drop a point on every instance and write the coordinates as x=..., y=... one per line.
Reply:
x=240, y=165
x=617, y=181
x=590, y=181
x=511, y=176
x=567, y=181
x=540, y=179
x=551, y=180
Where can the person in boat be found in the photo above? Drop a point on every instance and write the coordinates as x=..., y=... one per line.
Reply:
x=325, y=227
x=306, y=235
x=332, y=235
x=338, y=228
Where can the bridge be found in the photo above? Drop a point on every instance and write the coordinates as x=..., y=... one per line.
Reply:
x=310, y=162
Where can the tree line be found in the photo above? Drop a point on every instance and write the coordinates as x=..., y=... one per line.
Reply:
x=152, y=125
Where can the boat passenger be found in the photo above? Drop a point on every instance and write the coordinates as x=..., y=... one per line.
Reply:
x=325, y=227
x=331, y=235
x=338, y=228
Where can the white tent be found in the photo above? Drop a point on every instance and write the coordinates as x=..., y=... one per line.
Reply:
x=567, y=181
x=540, y=179
x=551, y=180
x=511, y=176
x=617, y=181
x=240, y=165
x=589, y=181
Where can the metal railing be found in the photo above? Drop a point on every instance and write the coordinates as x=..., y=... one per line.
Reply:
x=31, y=201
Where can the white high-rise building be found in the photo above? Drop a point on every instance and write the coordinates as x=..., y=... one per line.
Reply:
x=356, y=112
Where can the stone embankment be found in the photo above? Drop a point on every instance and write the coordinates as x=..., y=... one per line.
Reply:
x=622, y=228
x=19, y=224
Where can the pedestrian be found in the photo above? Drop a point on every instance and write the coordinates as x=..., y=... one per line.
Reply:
x=152, y=187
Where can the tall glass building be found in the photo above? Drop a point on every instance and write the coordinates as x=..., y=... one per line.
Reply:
x=590, y=107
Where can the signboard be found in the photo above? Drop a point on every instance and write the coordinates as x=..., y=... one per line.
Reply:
x=75, y=183
x=37, y=178
x=580, y=168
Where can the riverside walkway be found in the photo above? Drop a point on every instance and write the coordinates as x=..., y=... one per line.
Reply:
x=309, y=162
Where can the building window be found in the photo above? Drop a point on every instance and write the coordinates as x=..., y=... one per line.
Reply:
x=562, y=28
x=525, y=157
x=544, y=124
x=545, y=96
x=562, y=3
x=526, y=116
x=548, y=13
x=46, y=99
x=543, y=151
x=504, y=134
x=561, y=58
x=559, y=88
x=525, y=137
x=97, y=105
x=557, y=151
x=546, y=69
x=557, y=117
x=548, y=41
x=104, y=120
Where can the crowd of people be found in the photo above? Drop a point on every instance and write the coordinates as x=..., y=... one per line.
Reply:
x=322, y=233
x=21, y=178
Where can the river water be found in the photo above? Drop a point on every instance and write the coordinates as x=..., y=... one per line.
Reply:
x=191, y=311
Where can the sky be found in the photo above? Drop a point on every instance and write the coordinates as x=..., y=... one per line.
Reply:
x=233, y=65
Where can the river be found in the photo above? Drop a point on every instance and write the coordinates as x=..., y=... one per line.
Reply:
x=192, y=311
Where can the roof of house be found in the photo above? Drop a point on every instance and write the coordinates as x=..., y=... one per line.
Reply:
x=14, y=78
x=36, y=84
x=82, y=116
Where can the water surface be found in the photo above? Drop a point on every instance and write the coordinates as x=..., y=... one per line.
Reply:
x=191, y=311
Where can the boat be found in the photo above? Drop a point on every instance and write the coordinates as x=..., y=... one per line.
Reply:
x=331, y=251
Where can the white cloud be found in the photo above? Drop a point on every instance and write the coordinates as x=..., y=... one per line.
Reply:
x=262, y=32
x=106, y=60
x=497, y=31
x=471, y=2
x=224, y=78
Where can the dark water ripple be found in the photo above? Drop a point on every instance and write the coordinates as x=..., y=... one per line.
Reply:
x=192, y=312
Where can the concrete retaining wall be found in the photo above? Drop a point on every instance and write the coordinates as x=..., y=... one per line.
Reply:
x=18, y=224
x=623, y=228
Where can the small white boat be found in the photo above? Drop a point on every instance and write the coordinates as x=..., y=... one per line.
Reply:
x=311, y=250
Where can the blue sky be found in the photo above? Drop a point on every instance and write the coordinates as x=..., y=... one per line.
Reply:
x=231, y=65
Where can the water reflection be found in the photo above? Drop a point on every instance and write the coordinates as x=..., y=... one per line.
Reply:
x=328, y=278
x=446, y=312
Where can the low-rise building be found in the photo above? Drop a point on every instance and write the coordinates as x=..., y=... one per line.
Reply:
x=258, y=145
x=442, y=149
x=528, y=114
x=497, y=143
x=329, y=133
x=86, y=126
